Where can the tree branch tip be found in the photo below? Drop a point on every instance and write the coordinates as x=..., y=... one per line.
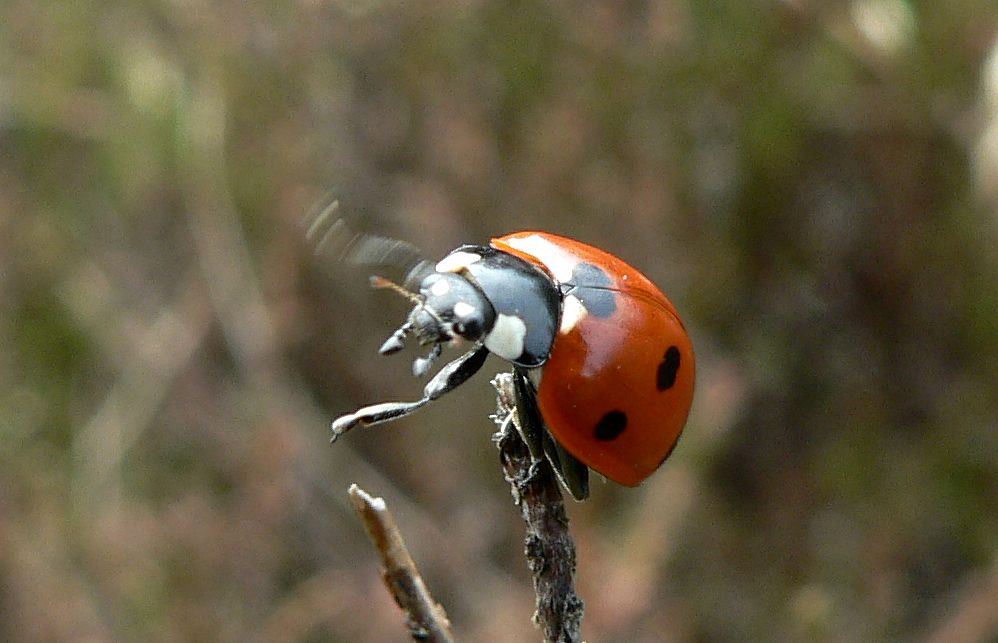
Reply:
x=365, y=501
x=425, y=618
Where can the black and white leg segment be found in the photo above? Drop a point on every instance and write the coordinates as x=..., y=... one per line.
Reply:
x=449, y=378
x=573, y=474
x=396, y=342
x=423, y=364
x=528, y=415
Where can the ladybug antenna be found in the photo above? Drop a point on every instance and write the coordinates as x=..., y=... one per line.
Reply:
x=381, y=282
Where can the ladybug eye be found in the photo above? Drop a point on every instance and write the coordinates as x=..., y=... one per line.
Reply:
x=469, y=326
x=468, y=322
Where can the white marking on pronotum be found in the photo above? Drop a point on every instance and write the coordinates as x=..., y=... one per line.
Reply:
x=560, y=263
x=506, y=337
x=457, y=261
x=463, y=309
x=439, y=288
x=572, y=312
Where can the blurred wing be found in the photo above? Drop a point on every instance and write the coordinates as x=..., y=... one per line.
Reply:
x=330, y=235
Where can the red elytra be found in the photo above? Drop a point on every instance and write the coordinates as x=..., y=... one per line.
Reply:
x=617, y=388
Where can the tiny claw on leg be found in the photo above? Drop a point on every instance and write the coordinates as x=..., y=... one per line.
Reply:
x=343, y=424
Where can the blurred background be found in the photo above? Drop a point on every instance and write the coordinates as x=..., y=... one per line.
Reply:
x=815, y=185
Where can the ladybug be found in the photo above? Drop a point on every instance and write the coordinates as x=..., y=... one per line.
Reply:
x=603, y=367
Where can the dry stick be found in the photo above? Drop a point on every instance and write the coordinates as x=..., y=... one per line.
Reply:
x=426, y=619
x=548, y=545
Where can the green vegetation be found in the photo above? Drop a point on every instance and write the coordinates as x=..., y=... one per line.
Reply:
x=815, y=187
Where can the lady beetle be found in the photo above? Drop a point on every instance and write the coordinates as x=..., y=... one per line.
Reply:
x=600, y=356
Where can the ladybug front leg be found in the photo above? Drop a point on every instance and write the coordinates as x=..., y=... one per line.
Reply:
x=450, y=377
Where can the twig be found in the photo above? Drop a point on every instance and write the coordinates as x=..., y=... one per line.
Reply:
x=426, y=619
x=548, y=545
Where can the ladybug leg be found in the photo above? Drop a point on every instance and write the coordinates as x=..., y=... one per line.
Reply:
x=455, y=373
x=573, y=474
x=423, y=364
x=396, y=342
x=450, y=377
x=529, y=423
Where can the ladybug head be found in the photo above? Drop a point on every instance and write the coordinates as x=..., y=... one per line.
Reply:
x=448, y=308
x=451, y=307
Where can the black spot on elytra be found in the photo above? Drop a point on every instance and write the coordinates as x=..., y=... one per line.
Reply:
x=610, y=426
x=668, y=369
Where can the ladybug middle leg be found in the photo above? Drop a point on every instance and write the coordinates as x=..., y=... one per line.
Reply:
x=449, y=378
x=573, y=474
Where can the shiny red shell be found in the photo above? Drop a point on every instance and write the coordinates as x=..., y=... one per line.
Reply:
x=616, y=390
